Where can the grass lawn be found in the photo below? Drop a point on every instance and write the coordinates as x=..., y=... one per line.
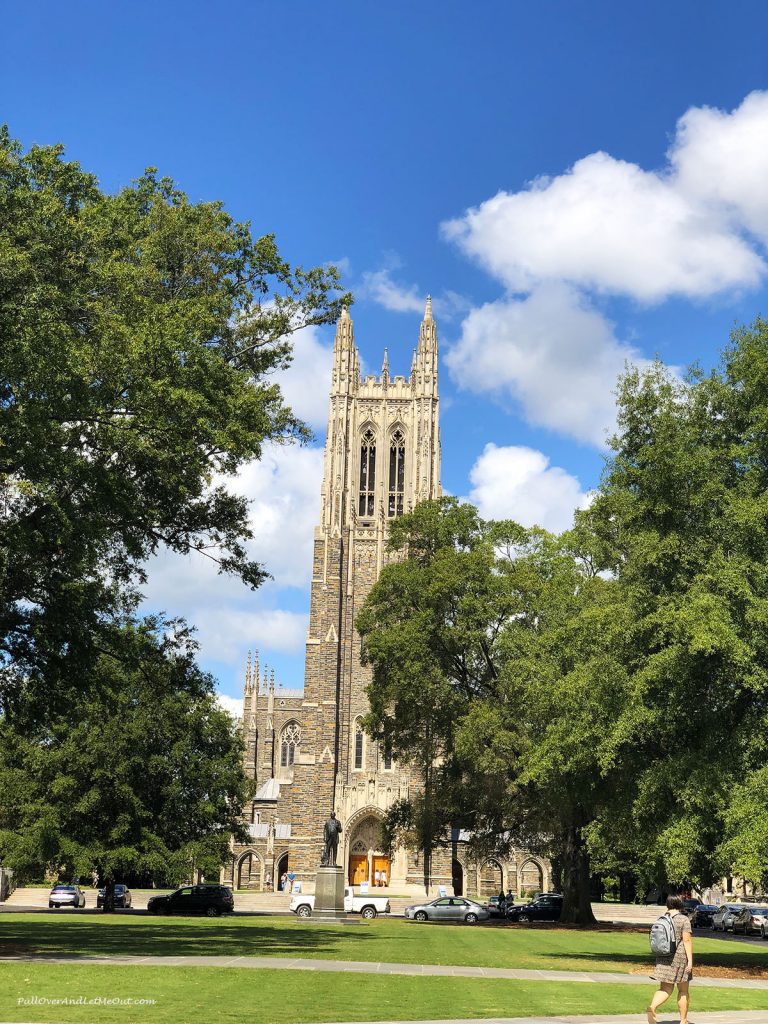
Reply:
x=395, y=941
x=221, y=996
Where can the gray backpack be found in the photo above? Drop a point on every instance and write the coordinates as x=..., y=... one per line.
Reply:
x=663, y=938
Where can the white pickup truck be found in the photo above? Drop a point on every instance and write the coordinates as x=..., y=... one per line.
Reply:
x=367, y=906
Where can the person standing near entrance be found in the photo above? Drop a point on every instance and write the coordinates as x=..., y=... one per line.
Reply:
x=377, y=878
x=676, y=969
x=383, y=877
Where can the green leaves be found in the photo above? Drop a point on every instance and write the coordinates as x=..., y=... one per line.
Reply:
x=141, y=775
x=138, y=333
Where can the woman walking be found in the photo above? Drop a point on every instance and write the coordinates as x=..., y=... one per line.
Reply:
x=676, y=969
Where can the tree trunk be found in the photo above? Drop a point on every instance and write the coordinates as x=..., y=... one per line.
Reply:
x=109, y=895
x=577, y=906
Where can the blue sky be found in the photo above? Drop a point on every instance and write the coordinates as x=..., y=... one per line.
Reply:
x=365, y=133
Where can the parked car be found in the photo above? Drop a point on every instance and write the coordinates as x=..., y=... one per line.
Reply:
x=210, y=900
x=366, y=906
x=66, y=896
x=703, y=914
x=495, y=906
x=448, y=908
x=546, y=908
x=689, y=907
x=751, y=921
x=722, y=921
x=122, y=896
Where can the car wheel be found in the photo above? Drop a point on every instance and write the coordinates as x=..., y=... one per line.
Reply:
x=304, y=911
x=420, y=915
x=471, y=919
x=369, y=913
x=523, y=919
x=762, y=932
x=212, y=912
x=50, y=905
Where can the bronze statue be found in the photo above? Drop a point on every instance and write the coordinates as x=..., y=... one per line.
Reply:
x=331, y=833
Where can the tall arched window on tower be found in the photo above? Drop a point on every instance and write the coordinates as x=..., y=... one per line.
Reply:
x=290, y=741
x=396, y=474
x=359, y=744
x=367, y=473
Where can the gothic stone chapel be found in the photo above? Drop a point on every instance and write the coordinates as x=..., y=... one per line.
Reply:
x=306, y=749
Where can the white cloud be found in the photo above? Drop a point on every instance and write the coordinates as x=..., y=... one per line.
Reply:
x=234, y=705
x=607, y=226
x=550, y=352
x=306, y=382
x=382, y=288
x=225, y=631
x=519, y=483
x=611, y=226
x=722, y=158
x=283, y=489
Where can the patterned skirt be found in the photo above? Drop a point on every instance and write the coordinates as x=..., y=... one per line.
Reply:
x=674, y=969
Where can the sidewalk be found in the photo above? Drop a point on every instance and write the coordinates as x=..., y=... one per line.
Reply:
x=366, y=967
x=724, y=1017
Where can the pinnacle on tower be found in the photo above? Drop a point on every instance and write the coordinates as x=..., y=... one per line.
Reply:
x=344, y=353
x=385, y=368
x=428, y=333
x=424, y=369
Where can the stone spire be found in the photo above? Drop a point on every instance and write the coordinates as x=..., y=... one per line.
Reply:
x=424, y=372
x=345, y=359
x=385, y=369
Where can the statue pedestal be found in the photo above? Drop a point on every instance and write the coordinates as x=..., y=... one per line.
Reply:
x=329, y=894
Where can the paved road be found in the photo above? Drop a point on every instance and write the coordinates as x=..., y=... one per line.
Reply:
x=36, y=897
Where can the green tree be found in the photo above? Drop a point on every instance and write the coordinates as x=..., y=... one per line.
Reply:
x=534, y=749
x=142, y=775
x=682, y=515
x=430, y=629
x=138, y=335
x=494, y=674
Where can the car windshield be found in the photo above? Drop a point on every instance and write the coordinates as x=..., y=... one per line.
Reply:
x=64, y=888
x=706, y=906
x=758, y=910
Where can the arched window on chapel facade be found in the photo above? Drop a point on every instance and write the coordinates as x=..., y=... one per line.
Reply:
x=359, y=741
x=290, y=740
x=396, y=474
x=367, y=473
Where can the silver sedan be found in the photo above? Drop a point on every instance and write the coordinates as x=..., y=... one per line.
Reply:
x=448, y=908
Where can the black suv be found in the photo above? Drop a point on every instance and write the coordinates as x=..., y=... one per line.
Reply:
x=210, y=900
x=546, y=907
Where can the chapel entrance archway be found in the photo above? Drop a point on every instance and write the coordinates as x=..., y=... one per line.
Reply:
x=282, y=869
x=249, y=873
x=366, y=857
